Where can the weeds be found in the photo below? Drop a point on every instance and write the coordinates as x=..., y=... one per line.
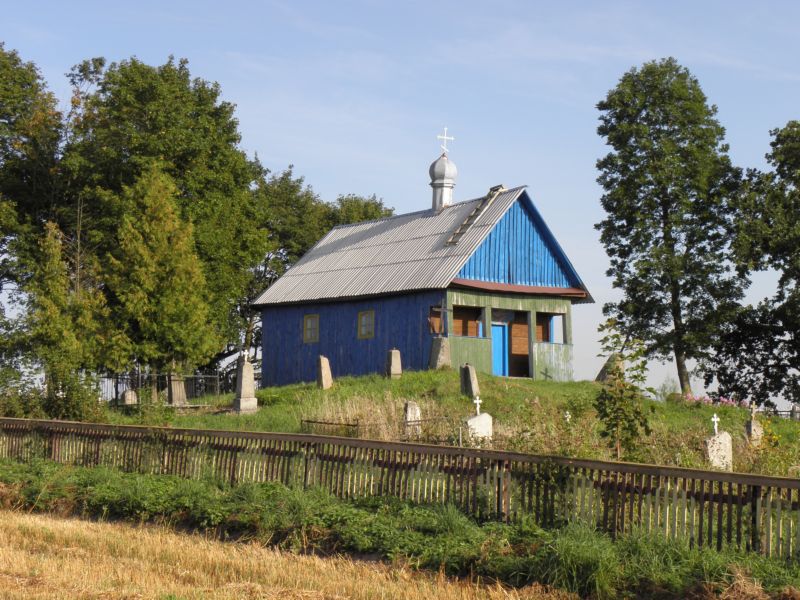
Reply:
x=575, y=558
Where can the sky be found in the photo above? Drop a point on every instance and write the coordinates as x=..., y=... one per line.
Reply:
x=354, y=93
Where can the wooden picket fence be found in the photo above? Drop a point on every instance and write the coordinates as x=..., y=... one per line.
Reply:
x=709, y=508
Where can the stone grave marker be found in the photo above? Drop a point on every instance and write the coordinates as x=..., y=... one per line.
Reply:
x=130, y=397
x=440, y=353
x=394, y=368
x=324, y=377
x=245, y=400
x=411, y=418
x=469, y=381
x=719, y=448
x=177, y=391
x=754, y=430
x=794, y=414
x=480, y=427
x=605, y=371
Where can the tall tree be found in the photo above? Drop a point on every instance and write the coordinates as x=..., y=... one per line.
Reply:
x=758, y=354
x=62, y=330
x=351, y=208
x=156, y=285
x=128, y=114
x=668, y=185
x=30, y=129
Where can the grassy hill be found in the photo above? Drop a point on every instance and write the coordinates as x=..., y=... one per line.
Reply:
x=529, y=417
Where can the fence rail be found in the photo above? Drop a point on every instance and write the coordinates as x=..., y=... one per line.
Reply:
x=709, y=508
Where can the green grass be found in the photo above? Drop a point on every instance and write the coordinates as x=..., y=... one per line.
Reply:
x=575, y=558
x=529, y=417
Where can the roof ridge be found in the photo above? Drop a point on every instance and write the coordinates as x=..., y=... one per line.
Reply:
x=408, y=254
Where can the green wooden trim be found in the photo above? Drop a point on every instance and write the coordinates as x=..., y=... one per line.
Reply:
x=472, y=350
x=548, y=361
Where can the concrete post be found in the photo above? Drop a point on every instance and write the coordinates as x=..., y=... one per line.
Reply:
x=245, y=400
x=394, y=368
x=324, y=376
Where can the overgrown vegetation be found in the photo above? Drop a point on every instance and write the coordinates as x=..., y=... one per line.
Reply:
x=619, y=401
x=134, y=230
x=573, y=558
x=530, y=416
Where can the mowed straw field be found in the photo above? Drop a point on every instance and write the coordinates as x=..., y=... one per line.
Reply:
x=48, y=557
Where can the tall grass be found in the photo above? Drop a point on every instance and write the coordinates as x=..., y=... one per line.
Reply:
x=529, y=417
x=576, y=558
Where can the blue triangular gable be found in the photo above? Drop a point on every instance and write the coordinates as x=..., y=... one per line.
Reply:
x=521, y=250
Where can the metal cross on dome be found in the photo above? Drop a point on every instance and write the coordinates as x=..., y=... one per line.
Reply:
x=445, y=138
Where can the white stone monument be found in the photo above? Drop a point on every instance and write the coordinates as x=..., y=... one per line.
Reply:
x=480, y=427
x=245, y=400
x=394, y=368
x=412, y=416
x=719, y=448
x=324, y=377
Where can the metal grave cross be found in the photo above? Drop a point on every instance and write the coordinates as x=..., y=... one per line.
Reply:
x=445, y=138
x=715, y=420
x=478, y=403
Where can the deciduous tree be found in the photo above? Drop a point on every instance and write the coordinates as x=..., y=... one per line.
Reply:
x=758, y=354
x=668, y=189
x=130, y=114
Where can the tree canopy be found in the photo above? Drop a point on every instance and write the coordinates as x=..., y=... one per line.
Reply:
x=134, y=228
x=758, y=353
x=668, y=190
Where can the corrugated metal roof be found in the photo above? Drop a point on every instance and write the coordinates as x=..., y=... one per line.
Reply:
x=395, y=254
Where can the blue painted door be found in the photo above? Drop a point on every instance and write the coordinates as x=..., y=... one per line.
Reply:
x=500, y=349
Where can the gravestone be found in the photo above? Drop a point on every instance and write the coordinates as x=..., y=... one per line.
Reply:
x=440, y=353
x=177, y=391
x=245, y=400
x=794, y=414
x=394, y=368
x=130, y=398
x=755, y=432
x=324, y=377
x=469, y=381
x=480, y=427
x=606, y=370
x=411, y=418
x=719, y=447
x=719, y=451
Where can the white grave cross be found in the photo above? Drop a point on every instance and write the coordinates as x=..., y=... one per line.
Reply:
x=445, y=138
x=715, y=420
x=478, y=403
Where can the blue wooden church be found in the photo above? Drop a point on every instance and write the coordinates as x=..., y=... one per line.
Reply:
x=485, y=279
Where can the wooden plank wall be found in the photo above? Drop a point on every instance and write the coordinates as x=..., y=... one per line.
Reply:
x=715, y=509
